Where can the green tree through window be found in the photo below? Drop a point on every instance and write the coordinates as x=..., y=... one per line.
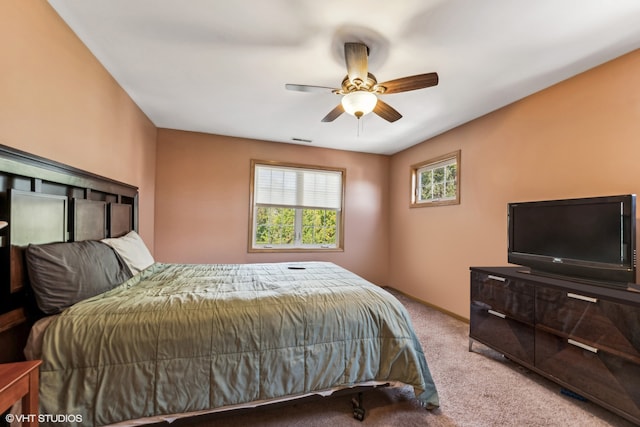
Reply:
x=275, y=226
x=319, y=227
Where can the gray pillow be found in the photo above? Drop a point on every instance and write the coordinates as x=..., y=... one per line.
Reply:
x=62, y=274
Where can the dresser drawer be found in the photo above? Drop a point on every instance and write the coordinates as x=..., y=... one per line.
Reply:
x=510, y=337
x=513, y=298
x=600, y=323
x=596, y=373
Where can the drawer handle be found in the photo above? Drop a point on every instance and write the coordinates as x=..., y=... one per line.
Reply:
x=495, y=313
x=583, y=346
x=498, y=278
x=582, y=297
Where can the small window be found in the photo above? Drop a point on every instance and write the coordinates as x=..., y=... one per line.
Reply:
x=295, y=208
x=436, y=182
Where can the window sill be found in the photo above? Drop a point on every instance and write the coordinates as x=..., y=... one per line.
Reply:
x=435, y=203
x=293, y=250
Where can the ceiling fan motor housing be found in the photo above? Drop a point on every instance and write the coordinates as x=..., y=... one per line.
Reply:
x=369, y=85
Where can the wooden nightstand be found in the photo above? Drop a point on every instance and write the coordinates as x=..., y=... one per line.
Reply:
x=20, y=381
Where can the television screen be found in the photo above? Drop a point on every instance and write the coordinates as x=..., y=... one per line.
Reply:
x=591, y=238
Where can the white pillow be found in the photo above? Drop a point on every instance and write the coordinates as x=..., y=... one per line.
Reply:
x=133, y=251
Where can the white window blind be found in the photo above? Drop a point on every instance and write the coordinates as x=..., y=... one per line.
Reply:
x=297, y=187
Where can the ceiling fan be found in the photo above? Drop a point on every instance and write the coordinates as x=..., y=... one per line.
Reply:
x=360, y=89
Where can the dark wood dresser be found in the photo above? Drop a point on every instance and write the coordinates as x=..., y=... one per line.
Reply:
x=584, y=337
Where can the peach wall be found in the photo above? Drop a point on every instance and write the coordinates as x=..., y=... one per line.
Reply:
x=579, y=138
x=57, y=101
x=202, y=201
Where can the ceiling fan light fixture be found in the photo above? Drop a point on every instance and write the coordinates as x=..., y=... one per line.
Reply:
x=359, y=103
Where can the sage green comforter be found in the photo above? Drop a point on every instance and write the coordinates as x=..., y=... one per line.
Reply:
x=181, y=338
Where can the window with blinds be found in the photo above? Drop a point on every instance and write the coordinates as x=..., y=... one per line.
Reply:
x=295, y=207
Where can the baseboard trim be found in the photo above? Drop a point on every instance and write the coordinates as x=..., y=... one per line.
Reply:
x=435, y=307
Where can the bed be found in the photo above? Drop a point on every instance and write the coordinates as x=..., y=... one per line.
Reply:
x=186, y=338
x=125, y=339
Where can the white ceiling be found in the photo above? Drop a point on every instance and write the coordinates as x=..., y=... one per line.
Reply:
x=220, y=66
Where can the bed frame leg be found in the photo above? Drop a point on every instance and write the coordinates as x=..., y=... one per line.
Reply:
x=358, y=409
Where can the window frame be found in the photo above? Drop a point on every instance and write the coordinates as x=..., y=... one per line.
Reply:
x=339, y=246
x=433, y=164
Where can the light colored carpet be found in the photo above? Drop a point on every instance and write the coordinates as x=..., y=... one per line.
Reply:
x=476, y=389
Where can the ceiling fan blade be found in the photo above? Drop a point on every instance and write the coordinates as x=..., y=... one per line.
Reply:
x=308, y=88
x=405, y=84
x=355, y=55
x=334, y=114
x=386, y=111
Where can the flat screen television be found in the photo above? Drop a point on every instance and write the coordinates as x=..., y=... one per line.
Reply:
x=592, y=239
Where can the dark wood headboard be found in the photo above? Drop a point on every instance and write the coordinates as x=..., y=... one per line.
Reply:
x=45, y=201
